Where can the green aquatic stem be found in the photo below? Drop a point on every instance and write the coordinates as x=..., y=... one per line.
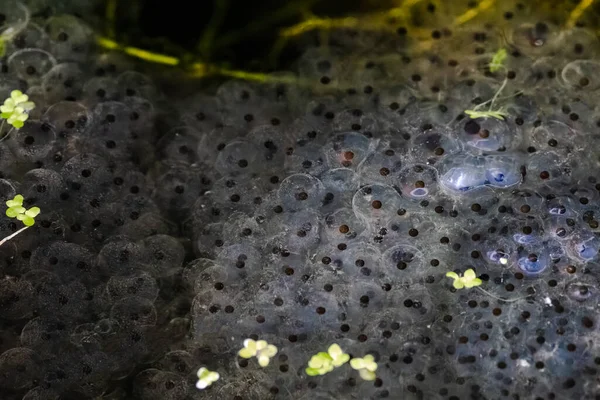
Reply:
x=473, y=114
x=6, y=239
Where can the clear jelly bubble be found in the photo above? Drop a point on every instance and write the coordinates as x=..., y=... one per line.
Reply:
x=502, y=171
x=301, y=191
x=462, y=173
x=418, y=182
x=376, y=204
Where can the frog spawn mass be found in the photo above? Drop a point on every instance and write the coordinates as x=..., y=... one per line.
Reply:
x=305, y=218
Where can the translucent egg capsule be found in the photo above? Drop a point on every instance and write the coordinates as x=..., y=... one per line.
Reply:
x=581, y=75
x=134, y=311
x=413, y=305
x=418, y=182
x=205, y=273
x=209, y=239
x=31, y=65
x=583, y=289
x=140, y=284
x=348, y=150
x=30, y=37
x=357, y=259
x=525, y=202
x=502, y=171
x=301, y=191
x=70, y=120
x=111, y=120
x=164, y=255
x=156, y=384
x=202, y=113
x=271, y=144
x=429, y=146
x=308, y=159
x=316, y=62
x=356, y=120
x=242, y=228
x=560, y=227
x=537, y=39
x=532, y=260
x=33, y=142
x=238, y=157
x=498, y=250
x=544, y=168
x=462, y=173
x=234, y=193
x=180, y=146
x=136, y=84
x=526, y=110
x=342, y=224
x=19, y=367
x=177, y=190
x=341, y=183
x=440, y=113
x=470, y=92
x=585, y=197
x=379, y=167
x=376, y=204
x=63, y=82
x=405, y=262
x=141, y=118
x=488, y=134
x=553, y=136
x=527, y=231
x=578, y=42
x=70, y=38
x=100, y=89
x=583, y=246
x=300, y=231
x=16, y=17
x=561, y=206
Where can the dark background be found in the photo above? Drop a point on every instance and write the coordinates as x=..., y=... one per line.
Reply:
x=178, y=25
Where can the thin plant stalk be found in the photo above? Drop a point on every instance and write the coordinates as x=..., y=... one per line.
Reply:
x=6, y=239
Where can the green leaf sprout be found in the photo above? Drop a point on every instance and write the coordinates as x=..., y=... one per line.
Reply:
x=260, y=349
x=322, y=363
x=206, y=378
x=365, y=366
x=468, y=280
x=16, y=210
x=15, y=109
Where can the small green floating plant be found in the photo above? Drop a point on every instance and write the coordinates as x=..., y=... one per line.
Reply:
x=322, y=363
x=206, y=378
x=15, y=111
x=16, y=210
x=366, y=367
x=260, y=349
x=468, y=280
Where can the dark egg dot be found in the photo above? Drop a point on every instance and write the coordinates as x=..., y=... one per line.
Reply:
x=472, y=127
